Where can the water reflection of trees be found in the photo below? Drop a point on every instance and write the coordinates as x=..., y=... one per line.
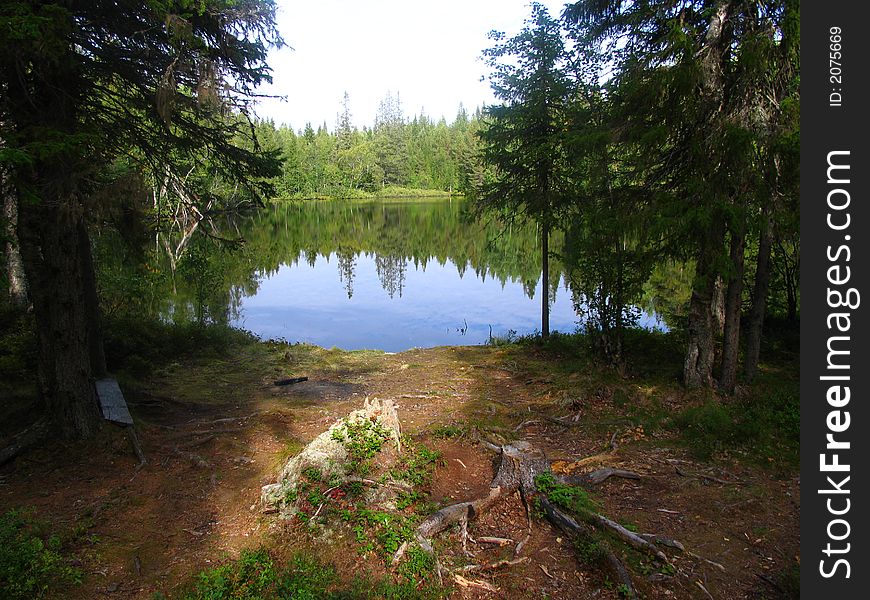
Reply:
x=346, y=270
x=391, y=273
x=197, y=274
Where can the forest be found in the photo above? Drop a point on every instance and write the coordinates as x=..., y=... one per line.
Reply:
x=640, y=159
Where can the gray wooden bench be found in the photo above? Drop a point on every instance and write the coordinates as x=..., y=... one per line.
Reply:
x=114, y=408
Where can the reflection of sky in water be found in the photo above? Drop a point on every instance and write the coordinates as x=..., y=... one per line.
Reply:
x=311, y=304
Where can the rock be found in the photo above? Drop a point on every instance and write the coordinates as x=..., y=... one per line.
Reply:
x=327, y=455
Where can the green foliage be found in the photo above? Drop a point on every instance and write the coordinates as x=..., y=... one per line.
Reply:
x=417, y=565
x=570, y=497
x=382, y=530
x=313, y=474
x=521, y=139
x=767, y=426
x=416, y=464
x=139, y=344
x=246, y=579
x=590, y=550
x=398, y=157
x=450, y=431
x=31, y=564
x=255, y=576
x=363, y=439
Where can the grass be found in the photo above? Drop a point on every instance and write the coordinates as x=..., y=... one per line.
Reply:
x=31, y=561
x=764, y=426
x=257, y=575
x=450, y=431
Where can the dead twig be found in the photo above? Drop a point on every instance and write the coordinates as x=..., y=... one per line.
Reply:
x=462, y=581
x=495, y=565
x=499, y=541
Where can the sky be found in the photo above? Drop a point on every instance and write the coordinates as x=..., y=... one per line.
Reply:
x=427, y=52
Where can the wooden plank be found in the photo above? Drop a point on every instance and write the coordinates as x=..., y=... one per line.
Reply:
x=112, y=402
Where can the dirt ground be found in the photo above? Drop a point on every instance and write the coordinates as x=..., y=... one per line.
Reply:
x=215, y=432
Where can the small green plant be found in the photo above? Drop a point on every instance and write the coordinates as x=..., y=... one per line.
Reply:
x=417, y=566
x=590, y=550
x=569, y=497
x=406, y=499
x=388, y=530
x=30, y=562
x=449, y=431
x=291, y=495
x=312, y=474
x=628, y=525
x=362, y=439
x=353, y=489
x=417, y=464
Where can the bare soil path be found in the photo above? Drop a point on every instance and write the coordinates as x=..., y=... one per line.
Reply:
x=215, y=431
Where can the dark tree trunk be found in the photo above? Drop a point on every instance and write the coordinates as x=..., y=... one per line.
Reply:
x=14, y=268
x=93, y=317
x=733, y=301
x=49, y=233
x=545, y=280
x=759, y=301
x=700, y=354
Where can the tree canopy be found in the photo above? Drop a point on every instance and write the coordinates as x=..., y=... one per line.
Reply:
x=154, y=86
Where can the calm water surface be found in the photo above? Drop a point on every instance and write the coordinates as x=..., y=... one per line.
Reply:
x=387, y=275
x=433, y=306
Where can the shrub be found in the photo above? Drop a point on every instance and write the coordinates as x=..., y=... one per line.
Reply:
x=30, y=562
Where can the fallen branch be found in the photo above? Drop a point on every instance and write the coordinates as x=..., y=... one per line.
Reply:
x=225, y=419
x=499, y=541
x=462, y=581
x=525, y=423
x=495, y=565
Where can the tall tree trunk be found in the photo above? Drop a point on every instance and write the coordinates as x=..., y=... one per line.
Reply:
x=759, y=301
x=14, y=268
x=545, y=280
x=733, y=298
x=93, y=318
x=49, y=233
x=700, y=354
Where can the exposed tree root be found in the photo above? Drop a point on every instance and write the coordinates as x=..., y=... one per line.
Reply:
x=24, y=440
x=519, y=465
x=573, y=527
x=596, y=477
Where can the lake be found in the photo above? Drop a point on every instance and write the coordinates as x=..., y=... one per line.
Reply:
x=384, y=274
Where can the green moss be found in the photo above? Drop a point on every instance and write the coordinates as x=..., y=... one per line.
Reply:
x=570, y=497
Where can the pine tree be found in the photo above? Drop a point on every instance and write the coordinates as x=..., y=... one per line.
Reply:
x=84, y=83
x=523, y=137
